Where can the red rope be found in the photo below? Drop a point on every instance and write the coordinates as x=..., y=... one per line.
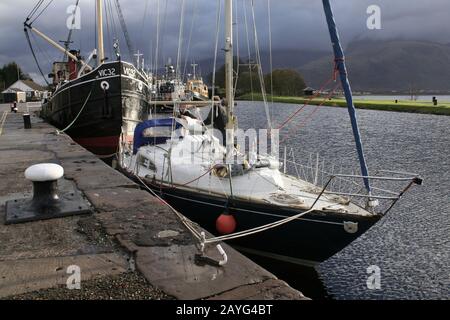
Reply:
x=306, y=103
x=311, y=114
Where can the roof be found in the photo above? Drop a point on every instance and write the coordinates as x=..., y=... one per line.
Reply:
x=33, y=85
x=309, y=89
x=10, y=90
x=26, y=85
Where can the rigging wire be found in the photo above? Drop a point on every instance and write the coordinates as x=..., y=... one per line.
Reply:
x=260, y=72
x=108, y=32
x=299, y=125
x=213, y=89
x=180, y=38
x=114, y=27
x=158, y=25
x=114, y=23
x=45, y=8
x=34, y=56
x=35, y=8
x=194, y=14
x=248, y=51
x=124, y=28
x=163, y=44
x=269, y=14
x=144, y=18
x=95, y=26
x=40, y=50
x=237, y=49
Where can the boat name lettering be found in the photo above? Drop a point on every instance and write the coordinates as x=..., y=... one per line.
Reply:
x=107, y=72
x=130, y=72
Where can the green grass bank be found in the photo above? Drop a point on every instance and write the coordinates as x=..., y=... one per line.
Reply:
x=384, y=105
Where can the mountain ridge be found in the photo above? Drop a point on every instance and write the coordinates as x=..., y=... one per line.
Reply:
x=373, y=65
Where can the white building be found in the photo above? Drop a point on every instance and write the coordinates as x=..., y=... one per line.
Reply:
x=32, y=90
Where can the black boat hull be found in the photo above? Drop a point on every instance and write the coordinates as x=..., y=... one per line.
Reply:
x=94, y=107
x=308, y=240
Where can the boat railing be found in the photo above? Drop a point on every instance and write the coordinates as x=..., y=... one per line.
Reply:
x=387, y=186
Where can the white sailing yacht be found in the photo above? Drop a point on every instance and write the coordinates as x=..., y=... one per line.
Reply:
x=253, y=204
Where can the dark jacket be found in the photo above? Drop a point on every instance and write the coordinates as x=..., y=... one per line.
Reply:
x=220, y=118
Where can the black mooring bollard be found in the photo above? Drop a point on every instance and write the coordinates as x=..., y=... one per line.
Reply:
x=27, y=121
x=46, y=203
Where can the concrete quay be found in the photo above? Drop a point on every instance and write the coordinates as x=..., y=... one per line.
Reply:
x=130, y=247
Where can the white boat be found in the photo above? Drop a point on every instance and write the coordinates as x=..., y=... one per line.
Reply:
x=253, y=204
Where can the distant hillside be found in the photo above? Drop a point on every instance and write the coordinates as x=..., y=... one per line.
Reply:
x=388, y=65
x=290, y=59
x=378, y=66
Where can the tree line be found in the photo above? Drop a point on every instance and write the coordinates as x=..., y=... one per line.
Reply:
x=10, y=73
x=286, y=82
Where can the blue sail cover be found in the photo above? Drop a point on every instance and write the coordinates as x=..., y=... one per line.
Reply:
x=340, y=65
x=139, y=139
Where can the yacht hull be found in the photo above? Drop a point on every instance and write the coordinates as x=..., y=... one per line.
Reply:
x=308, y=240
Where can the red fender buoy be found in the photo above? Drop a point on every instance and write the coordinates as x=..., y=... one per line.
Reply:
x=225, y=223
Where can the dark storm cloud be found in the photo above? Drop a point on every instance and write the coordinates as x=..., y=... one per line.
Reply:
x=295, y=24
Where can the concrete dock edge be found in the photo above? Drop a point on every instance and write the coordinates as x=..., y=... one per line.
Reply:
x=129, y=231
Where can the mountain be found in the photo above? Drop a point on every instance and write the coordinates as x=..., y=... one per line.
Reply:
x=388, y=65
x=290, y=59
x=377, y=66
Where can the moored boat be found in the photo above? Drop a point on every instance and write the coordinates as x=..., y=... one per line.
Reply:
x=251, y=202
x=97, y=100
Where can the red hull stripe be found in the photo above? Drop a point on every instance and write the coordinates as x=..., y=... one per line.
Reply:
x=105, y=142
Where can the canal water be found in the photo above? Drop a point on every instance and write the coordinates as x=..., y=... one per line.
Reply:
x=411, y=245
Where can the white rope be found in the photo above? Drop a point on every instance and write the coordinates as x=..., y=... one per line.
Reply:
x=257, y=229
x=201, y=236
x=76, y=118
x=187, y=223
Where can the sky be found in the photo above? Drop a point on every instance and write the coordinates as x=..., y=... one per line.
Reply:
x=295, y=24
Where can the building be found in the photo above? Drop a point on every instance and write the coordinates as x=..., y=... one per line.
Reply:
x=13, y=94
x=24, y=90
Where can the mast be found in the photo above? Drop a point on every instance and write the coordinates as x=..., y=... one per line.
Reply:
x=100, y=49
x=194, y=66
x=340, y=66
x=229, y=74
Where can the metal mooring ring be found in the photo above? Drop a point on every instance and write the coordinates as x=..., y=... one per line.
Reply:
x=104, y=85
